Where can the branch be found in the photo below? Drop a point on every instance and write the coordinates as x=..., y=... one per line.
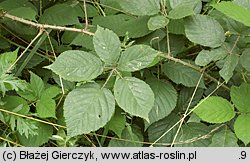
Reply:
x=44, y=26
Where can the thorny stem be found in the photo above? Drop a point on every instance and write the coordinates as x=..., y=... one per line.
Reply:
x=44, y=26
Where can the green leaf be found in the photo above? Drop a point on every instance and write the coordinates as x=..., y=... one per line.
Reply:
x=140, y=7
x=83, y=40
x=36, y=84
x=207, y=56
x=224, y=138
x=76, y=65
x=215, y=110
x=134, y=96
x=230, y=64
x=28, y=93
x=234, y=11
x=157, y=22
x=52, y=91
x=182, y=8
x=134, y=27
x=136, y=58
x=176, y=3
x=243, y=3
x=44, y=132
x=158, y=128
x=181, y=12
x=60, y=14
x=197, y=31
x=87, y=109
x=109, y=6
x=242, y=128
x=165, y=99
x=181, y=74
x=240, y=97
x=245, y=59
x=12, y=102
x=24, y=126
x=176, y=26
x=24, y=12
x=10, y=82
x=6, y=59
x=190, y=135
x=9, y=57
x=107, y=45
x=132, y=135
x=117, y=123
x=46, y=106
